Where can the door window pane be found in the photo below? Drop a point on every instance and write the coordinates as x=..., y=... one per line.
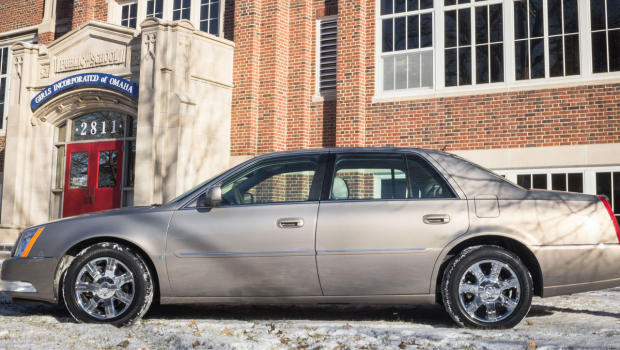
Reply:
x=425, y=181
x=603, y=185
x=131, y=163
x=575, y=182
x=108, y=169
x=60, y=166
x=79, y=170
x=539, y=181
x=368, y=177
x=558, y=182
x=524, y=181
x=272, y=181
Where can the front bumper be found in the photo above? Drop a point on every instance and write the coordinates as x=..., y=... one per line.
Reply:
x=29, y=278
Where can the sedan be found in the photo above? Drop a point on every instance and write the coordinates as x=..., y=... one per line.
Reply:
x=359, y=225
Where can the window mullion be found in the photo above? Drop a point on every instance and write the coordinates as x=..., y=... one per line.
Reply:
x=509, y=42
x=585, y=38
x=546, y=37
x=439, y=47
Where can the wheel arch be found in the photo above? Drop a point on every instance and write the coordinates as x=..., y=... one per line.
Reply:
x=76, y=248
x=520, y=249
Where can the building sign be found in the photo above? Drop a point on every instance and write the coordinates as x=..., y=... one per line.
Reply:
x=97, y=79
x=90, y=60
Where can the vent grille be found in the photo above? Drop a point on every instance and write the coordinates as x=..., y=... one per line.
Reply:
x=328, y=46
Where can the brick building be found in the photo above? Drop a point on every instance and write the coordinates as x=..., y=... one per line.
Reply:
x=528, y=88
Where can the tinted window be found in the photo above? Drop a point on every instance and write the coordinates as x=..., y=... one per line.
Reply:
x=425, y=181
x=370, y=176
x=272, y=181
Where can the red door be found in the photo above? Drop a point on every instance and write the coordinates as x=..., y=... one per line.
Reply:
x=93, y=177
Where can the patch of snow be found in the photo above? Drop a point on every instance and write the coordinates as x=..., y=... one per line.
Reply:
x=587, y=320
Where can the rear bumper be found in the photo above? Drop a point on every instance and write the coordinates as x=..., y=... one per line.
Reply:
x=568, y=269
x=29, y=278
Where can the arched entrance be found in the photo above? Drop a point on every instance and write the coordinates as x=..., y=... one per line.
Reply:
x=94, y=145
x=95, y=162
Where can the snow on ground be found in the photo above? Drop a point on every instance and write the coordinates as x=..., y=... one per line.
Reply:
x=587, y=320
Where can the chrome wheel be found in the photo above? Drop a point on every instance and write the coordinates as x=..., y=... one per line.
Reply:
x=104, y=288
x=489, y=291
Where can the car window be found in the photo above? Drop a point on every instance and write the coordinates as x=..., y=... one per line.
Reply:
x=425, y=181
x=372, y=176
x=272, y=181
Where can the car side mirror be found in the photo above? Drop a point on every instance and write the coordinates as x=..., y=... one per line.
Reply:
x=211, y=198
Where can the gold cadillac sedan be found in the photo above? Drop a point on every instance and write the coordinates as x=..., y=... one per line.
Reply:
x=359, y=225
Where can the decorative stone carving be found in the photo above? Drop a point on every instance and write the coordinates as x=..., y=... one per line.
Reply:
x=19, y=64
x=44, y=72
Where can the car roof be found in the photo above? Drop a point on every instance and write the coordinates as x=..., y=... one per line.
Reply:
x=347, y=150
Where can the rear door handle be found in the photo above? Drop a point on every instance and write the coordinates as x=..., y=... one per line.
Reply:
x=436, y=219
x=290, y=223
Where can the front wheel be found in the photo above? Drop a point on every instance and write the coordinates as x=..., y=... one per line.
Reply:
x=107, y=283
x=487, y=287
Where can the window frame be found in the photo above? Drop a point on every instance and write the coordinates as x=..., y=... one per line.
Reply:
x=379, y=78
x=315, y=187
x=129, y=4
x=510, y=83
x=7, y=86
x=330, y=172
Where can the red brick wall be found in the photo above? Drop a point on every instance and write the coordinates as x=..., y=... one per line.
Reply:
x=87, y=10
x=274, y=78
x=18, y=14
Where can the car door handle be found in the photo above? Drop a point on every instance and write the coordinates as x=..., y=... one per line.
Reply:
x=436, y=219
x=290, y=223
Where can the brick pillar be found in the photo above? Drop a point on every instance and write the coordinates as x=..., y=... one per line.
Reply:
x=351, y=85
x=274, y=62
x=301, y=75
x=87, y=10
x=246, y=74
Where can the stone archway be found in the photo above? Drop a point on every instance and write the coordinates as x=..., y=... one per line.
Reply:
x=73, y=103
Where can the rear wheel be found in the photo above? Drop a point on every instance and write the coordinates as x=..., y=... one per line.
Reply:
x=107, y=283
x=487, y=287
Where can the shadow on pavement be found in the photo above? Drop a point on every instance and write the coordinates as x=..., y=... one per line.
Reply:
x=433, y=315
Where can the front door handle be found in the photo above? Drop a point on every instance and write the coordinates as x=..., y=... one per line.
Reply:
x=290, y=223
x=436, y=219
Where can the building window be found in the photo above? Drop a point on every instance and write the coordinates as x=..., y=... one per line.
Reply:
x=181, y=9
x=529, y=39
x=210, y=16
x=478, y=59
x=4, y=85
x=154, y=8
x=608, y=185
x=562, y=22
x=605, y=24
x=327, y=47
x=563, y=28
x=407, y=44
x=129, y=15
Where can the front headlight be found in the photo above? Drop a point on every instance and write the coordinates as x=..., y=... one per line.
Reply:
x=26, y=241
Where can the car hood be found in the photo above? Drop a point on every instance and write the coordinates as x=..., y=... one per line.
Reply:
x=111, y=213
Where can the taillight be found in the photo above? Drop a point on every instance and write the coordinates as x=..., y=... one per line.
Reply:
x=611, y=213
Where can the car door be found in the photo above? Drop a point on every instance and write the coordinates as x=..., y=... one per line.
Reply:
x=382, y=223
x=258, y=242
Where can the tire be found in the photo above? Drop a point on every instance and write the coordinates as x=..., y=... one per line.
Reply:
x=115, y=285
x=475, y=295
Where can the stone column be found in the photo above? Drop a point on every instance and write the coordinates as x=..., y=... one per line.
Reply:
x=351, y=84
x=183, y=110
x=27, y=164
